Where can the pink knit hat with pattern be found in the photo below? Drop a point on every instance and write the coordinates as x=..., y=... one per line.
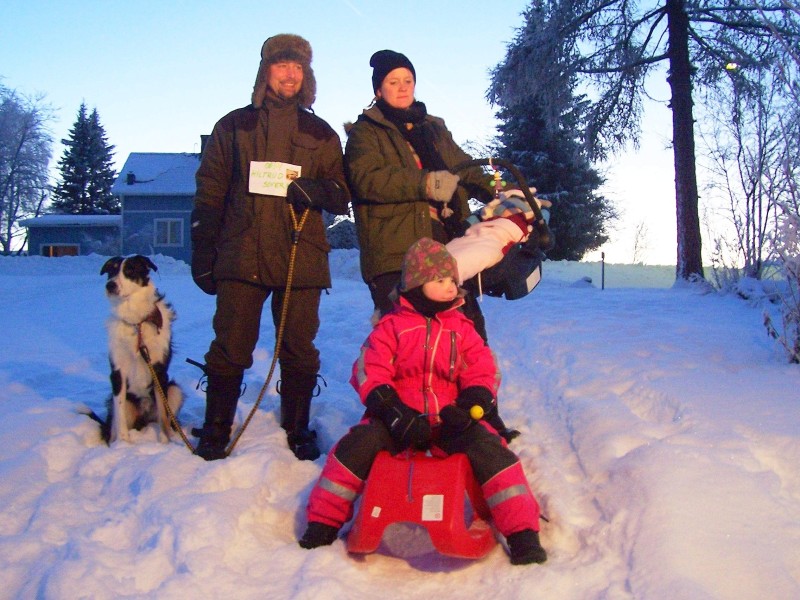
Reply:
x=426, y=260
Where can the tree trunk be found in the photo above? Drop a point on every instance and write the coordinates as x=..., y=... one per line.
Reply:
x=689, y=256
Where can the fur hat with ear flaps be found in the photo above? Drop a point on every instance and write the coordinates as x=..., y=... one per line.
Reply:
x=286, y=46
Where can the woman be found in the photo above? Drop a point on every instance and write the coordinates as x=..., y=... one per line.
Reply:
x=398, y=160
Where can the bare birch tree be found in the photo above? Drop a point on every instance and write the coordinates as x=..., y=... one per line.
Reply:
x=25, y=152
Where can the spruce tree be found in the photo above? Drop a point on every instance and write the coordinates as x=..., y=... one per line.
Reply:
x=86, y=170
x=541, y=132
x=554, y=162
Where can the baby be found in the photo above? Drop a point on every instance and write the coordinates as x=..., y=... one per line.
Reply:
x=494, y=229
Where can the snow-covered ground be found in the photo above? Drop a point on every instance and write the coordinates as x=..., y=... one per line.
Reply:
x=661, y=434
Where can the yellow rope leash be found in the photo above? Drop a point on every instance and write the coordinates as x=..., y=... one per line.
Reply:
x=279, y=335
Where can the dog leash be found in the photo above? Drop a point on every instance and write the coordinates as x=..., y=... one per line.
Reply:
x=297, y=227
x=145, y=353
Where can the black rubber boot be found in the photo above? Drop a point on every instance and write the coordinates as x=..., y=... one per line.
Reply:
x=296, y=390
x=318, y=534
x=303, y=442
x=525, y=548
x=222, y=395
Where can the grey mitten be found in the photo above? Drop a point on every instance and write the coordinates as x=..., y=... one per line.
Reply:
x=441, y=185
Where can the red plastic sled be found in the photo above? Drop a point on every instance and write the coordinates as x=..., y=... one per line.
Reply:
x=428, y=491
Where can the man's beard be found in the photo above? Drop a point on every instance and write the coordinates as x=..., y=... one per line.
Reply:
x=281, y=93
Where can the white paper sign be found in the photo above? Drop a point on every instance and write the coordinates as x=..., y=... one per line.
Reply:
x=271, y=178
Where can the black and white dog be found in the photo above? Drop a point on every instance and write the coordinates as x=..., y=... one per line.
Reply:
x=140, y=319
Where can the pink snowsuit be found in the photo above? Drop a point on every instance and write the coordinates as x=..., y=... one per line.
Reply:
x=427, y=361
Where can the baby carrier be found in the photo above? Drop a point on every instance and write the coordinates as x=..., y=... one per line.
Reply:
x=520, y=270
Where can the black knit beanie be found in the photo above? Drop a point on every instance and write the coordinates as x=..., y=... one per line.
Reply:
x=385, y=61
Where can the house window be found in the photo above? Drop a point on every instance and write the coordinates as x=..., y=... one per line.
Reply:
x=169, y=232
x=55, y=250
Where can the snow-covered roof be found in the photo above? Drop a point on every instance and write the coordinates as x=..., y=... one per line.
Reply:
x=157, y=174
x=72, y=221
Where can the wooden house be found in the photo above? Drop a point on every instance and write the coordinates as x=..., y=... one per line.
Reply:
x=156, y=192
x=74, y=235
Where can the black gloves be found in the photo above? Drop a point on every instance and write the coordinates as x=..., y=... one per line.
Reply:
x=456, y=418
x=455, y=421
x=205, y=228
x=305, y=192
x=298, y=194
x=477, y=395
x=408, y=427
x=203, y=258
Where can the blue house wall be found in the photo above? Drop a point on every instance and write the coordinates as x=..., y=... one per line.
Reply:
x=156, y=192
x=73, y=235
x=144, y=215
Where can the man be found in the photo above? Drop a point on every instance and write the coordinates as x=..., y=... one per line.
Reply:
x=244, y=224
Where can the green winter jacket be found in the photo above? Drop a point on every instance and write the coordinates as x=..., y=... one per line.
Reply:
x=389, y=199
x=252, y=233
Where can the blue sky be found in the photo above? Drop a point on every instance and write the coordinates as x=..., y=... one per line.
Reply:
x=161, y=73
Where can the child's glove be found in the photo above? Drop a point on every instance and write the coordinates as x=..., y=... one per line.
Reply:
x=408, y=427
x=520, y=194
x=455, y=421
x=477, y=395
x=544, y=205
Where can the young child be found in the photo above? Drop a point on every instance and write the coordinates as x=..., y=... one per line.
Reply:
x=420, y=371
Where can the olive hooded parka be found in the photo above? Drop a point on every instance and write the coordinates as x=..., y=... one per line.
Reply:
x=390, y=204
x=251, y=234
